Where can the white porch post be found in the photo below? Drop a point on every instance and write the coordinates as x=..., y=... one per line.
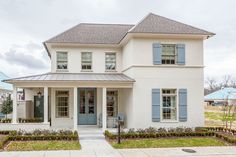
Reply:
x=14, y=108
x=104, y=109
x=75, y=109
x=45, y=107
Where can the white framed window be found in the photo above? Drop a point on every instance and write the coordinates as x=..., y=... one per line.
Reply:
x=110, y=61
x=62, y=60
x=86, y=60
x=168, y=55
x=62, y=104
x=112, y=103
x=169, y=104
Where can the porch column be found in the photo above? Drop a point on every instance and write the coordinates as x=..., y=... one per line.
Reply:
x=75, y=109
x=104, y=109
x=14, y=108
x=45, y=107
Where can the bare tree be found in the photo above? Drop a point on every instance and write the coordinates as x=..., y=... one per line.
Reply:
x=211, y=82
x=226, y=80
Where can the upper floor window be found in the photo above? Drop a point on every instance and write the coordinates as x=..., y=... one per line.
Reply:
x=110, y=61
x=168, y=55
x=62, y=60
x=86, y=60
x=169, y=110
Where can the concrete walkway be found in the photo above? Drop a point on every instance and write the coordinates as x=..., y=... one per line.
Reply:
x=102, y=150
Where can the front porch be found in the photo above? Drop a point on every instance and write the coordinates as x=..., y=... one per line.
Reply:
x=71, y=104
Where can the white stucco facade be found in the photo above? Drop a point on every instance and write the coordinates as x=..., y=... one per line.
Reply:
x=155, y=78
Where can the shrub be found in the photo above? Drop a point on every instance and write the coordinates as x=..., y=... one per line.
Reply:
x=151, y=130
x=162, y=130
x=5, y=120
x=131, y=130
x=140, y=131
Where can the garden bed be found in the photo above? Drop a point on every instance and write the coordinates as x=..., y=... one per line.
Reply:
x=173, y=137
x=48, y=137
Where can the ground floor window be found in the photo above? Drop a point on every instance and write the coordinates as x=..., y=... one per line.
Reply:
x=112, y=103
x=62, y=104
x=169, y=110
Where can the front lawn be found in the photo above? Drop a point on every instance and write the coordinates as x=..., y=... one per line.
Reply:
x=213, y=115
x=42, y=145
x=169, y=142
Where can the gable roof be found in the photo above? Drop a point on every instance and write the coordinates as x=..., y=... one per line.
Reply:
x=222, y=94
x=157, y=24
x=88, y=33
x=3, y=85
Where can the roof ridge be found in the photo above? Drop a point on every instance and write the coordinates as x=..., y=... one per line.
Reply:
x=61, y=33
x=107, y=24
x=140, y=21
x=178, y=22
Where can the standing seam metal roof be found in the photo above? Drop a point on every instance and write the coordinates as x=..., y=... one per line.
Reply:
x=74, y=77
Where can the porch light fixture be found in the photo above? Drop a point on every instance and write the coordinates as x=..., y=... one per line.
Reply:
x=39, y=94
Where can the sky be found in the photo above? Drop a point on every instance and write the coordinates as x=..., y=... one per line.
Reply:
x=25, y=24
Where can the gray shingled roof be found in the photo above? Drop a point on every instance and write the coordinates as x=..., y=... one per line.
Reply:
x=86, y=33
x=74, y=77
x=158, y=24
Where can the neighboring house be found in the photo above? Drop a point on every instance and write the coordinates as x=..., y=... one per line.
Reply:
x=5, y=91
x=221, y=97
x=151, y=73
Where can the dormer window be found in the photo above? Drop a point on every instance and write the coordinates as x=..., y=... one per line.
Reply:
x=110, y=61
x=62, y=60
x=86, y=60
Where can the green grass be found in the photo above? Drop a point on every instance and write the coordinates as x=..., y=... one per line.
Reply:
x=170, y=142
x=213, y=115
x=43, y=145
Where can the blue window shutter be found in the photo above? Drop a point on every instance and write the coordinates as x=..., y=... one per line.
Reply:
x=157, y=50
x=183, y=105
x=180, y=54
x=156, y=105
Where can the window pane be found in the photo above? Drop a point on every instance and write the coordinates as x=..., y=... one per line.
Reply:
x=169, y=104
x=168, y=54
x=62, y=60
x=110, y=61
x=62, y=103
x=86, y=60
x=112, y=103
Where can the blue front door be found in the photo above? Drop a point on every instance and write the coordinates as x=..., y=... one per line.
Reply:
x=87, y=107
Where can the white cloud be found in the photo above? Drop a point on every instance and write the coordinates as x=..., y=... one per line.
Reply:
x=23, y=22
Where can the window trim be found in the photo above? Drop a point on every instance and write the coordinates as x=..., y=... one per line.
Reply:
x=56, y=114
x=63, y=70
x=87, y=70
x=177, y=107
x=175, y=53
x=110, y=70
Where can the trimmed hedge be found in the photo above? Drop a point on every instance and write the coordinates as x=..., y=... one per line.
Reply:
x=5, y=120
x=215, y=129
x=218, y=132
x=44, y=137
x=30, y=120
x=157, y=135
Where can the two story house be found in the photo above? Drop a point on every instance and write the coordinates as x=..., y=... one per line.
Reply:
x=150, y=73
